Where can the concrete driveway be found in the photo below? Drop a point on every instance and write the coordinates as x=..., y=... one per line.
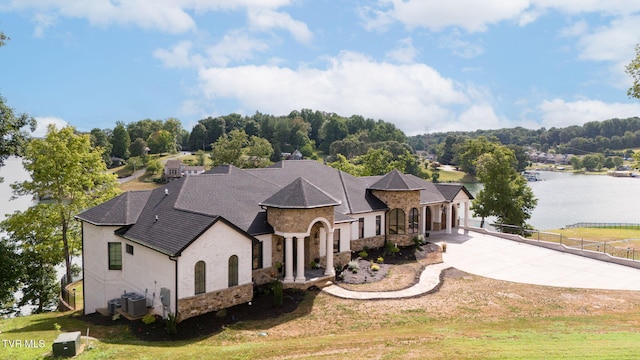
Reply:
x=502, y=259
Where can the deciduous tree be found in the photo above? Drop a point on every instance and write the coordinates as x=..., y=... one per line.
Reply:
x=505, y=194
x=228, y=149
x=633, y=69
x=64, y=167
x=12, y=135
x=120, y=141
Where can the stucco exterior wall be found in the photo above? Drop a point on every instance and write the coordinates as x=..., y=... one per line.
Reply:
x=215, y=247
x=146, y=270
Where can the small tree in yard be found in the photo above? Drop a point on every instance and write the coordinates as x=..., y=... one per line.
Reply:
x=506, y=194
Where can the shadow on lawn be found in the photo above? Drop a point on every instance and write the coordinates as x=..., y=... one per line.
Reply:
x=296, y=303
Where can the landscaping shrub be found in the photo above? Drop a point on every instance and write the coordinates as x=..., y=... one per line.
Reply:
x=172, y=324
x=363, y=254
x=149, y=319
x=277, y=293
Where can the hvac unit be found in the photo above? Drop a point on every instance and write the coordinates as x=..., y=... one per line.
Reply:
x=137, y=305
x=124, y=298
x=113, y=305
x=66, y=344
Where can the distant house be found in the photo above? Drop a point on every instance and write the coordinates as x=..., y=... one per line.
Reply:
x=201, y=242
x=175, y=169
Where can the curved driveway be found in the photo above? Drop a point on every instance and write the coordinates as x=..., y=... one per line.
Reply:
x=508, y=260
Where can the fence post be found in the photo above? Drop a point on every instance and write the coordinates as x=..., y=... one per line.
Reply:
x=604, y=247
x=560, y=239
x=581, y=244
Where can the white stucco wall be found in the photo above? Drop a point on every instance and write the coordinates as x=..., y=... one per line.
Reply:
x=215, y=247
x=146, y=270
x=267, y=248
x=345, y=235
x=369, y=224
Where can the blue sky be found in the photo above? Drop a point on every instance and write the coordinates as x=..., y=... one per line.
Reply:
x=423, y=65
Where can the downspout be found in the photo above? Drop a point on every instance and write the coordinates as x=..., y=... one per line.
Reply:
x=84, y=305
x=175, y=261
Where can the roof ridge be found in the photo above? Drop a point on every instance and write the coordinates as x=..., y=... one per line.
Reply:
x=345, y=192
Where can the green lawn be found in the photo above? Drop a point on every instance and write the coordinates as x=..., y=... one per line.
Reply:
x=407, y=335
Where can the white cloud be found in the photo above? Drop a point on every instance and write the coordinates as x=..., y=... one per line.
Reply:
x=44, y=122
x=410, y=96
x=170, y=16
x=404, y=53
x=560, y=113
x=43, y=22
x=266, y=20
x=459, y=47
x=470, y=15
x=178, y=56
x=234, y=46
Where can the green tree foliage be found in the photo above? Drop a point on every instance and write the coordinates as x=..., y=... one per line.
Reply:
x=161, y=141
x=343, y=164
x=100, y=139
x=471, y=150
x=138, y=148
x=576, y=163
x=228, y=149
x=259, y=151
x=143, y=129
x=633, y=69
x=174, y=127
x=333, y=129
x=10, y=268
x=3, y=39
x=505, y=194
x=12, y=136
x=64, y=167
x=376, y=162
x=120, y=141
x=198, y=138
x=593, y=162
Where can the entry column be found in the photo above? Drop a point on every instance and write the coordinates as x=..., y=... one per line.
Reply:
x=300, y=260
x=329, y=269
x=288, y=262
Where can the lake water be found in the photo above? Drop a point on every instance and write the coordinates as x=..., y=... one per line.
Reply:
x=566, y=198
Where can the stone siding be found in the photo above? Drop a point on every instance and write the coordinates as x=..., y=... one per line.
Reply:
x=214, y=301
x=297, y=220
x=341, y=259
x=263, y=276
x=405, y=200
x=373, y=242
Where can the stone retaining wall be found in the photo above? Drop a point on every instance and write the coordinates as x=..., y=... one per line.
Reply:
x=373, y=242
x=214, y=301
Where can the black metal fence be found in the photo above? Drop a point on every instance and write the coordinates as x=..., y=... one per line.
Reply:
x=66, y=295
x=630, y=226
x=625, y=249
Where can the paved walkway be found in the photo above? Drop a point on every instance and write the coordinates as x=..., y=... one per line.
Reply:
x=502, y=259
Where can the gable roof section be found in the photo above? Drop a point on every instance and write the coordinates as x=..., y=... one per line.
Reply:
x=395, y=181
x=124, y=209
x=300, y=194
x=450, y=191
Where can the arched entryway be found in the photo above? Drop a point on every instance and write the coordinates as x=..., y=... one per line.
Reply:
x=427, y=219
x=454, y=216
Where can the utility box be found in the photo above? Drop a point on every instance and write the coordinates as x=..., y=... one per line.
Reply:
x=67, y=344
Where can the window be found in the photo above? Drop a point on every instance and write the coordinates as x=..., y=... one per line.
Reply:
x=129, y=249
x=360, y=228
x=414, y=220
x=257, y=254
x=199, y=276
x=115, y=256
x=233, y=271
x=378, y=224
x=396, y=221
x=336, y=240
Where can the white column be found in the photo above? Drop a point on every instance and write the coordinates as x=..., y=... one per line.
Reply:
x=300, y=260
x=329, y=241
x=322, y=235
x=467, y=205
x=423, y=220
x=449, y=211
x=288, y=262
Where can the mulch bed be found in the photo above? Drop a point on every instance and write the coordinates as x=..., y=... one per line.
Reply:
x=261, y=307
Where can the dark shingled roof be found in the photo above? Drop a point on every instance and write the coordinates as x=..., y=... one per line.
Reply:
x=124, y=209
x=395, y=181
x=300, y=194
x=168, y=219
x=450, y=191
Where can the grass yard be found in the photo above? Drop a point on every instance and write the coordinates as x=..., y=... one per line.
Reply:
x=470, y=317
x=599, y=234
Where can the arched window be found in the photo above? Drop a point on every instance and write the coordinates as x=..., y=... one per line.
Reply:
x=200, y=278
x=396, y=221
x=414, y=220
x=233, y=270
